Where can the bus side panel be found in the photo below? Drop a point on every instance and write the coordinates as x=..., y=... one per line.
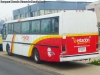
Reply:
x=50, y=49
x=4, y=46
x=7, y=41
x=42, y=43
x=22, y=44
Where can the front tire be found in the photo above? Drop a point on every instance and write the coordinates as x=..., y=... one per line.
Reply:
x=8, y=50
x=36, y=56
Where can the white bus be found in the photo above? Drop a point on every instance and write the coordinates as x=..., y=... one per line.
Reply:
x=58, y=37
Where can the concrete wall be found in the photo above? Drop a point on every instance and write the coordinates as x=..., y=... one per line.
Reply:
x=96, y=7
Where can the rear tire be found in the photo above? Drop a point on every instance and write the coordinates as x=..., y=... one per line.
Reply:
x=8, y=50
x=36, y=56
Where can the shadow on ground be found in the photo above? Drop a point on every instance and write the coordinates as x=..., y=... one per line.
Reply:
x=61, y=66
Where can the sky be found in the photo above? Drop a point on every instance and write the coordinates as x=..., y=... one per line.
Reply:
x=6, y=9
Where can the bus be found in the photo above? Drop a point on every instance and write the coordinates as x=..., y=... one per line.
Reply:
x=59, y=37
x=1, y=24
x=0, y=42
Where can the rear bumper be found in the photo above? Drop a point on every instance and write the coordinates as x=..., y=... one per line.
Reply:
x=78, y=57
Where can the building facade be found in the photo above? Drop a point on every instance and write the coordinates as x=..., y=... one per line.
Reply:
x=48, y=7
x=95, y=7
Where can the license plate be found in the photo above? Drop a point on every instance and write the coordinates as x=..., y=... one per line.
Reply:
x=82, y=49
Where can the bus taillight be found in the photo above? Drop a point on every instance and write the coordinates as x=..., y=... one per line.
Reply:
x=63, y=49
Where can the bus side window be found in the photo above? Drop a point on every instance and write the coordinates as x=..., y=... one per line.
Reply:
x=25, y=27
x=17, y=28
x=55, y=25
x=35, y=26
x=45, y=25
x=4, y=30
x=10, y=28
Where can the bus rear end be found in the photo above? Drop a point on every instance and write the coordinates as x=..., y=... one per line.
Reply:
x=80, y=36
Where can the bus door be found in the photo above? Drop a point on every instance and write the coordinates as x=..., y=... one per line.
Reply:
x=4, y=32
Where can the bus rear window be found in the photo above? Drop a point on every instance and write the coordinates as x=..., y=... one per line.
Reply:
x=55, y=25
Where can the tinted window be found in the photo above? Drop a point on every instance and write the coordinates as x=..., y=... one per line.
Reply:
x=25, y=27
x=48, y=25
x=35, y=25
x=55, y=25
x=17, y=27
x=45, y=25
x=10, y=28
x=4, y=30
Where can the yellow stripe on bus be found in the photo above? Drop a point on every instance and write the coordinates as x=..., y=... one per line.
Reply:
x=13, y=43
x=39, y=39
x=83, y=34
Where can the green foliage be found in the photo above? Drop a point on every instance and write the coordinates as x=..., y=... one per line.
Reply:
x=99, y=38
x=95, y=62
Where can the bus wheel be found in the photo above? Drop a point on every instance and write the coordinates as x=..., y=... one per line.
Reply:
x=36, y=56
x=8, y=50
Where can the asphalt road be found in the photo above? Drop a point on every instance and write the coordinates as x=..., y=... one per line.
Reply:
x=8, y=67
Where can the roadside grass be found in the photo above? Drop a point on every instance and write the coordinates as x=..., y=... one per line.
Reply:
x=99, y=38
x=95, y=62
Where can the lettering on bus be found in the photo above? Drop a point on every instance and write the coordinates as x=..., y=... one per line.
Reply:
x=82, y=41
x=25, y=38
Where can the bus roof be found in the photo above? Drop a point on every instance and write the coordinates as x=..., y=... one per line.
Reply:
x=46, y=16
x=34, y=18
